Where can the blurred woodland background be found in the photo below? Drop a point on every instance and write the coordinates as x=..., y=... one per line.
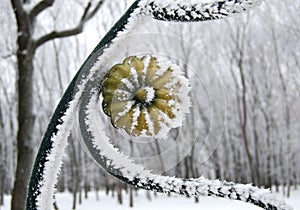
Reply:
x=256, y=56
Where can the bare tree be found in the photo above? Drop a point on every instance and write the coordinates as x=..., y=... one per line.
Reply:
x=27, y=46
x=2, y=173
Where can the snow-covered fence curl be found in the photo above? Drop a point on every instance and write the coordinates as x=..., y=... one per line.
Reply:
x=81, y=99
x=197, y=10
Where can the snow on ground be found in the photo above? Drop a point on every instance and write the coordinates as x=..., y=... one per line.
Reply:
x=161, y=202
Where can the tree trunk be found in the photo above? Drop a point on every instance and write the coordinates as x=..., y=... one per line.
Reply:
x=80, y=196
x=295, y=175
x=269, y=169
x=86, y=190
x=55, y=206
x=74, y=199
x=25, y=132
x=106, y=188
x=162, y=165
x=148, y=195
x=244, y=124
x=130, y=197
x=97, y=195
x=2, y=177
x=2, y=163
x=187, y=167
x=74, y=172
x=120, y=198
x=25, y=143
x=112, y=187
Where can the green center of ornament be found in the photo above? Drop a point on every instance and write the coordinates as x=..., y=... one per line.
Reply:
x=145, y=95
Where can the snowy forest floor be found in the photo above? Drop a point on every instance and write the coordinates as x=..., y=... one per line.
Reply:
x=163, y=202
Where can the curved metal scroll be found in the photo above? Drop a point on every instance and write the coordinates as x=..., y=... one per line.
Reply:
x=82, y=93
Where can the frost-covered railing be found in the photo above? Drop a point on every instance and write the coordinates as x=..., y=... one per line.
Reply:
x=82, y=98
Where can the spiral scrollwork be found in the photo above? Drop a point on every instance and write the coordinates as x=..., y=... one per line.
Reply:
x=145, y=97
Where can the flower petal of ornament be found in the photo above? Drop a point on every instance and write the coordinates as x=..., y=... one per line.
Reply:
x=146, y=96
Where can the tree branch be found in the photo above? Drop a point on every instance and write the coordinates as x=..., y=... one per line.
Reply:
x=87, y=15
x=58, y=34
x=94, y=11
x=6, y=56
x=40, y=7
x=85, y=12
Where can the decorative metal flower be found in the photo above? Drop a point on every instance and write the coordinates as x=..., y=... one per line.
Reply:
x=146, y=96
